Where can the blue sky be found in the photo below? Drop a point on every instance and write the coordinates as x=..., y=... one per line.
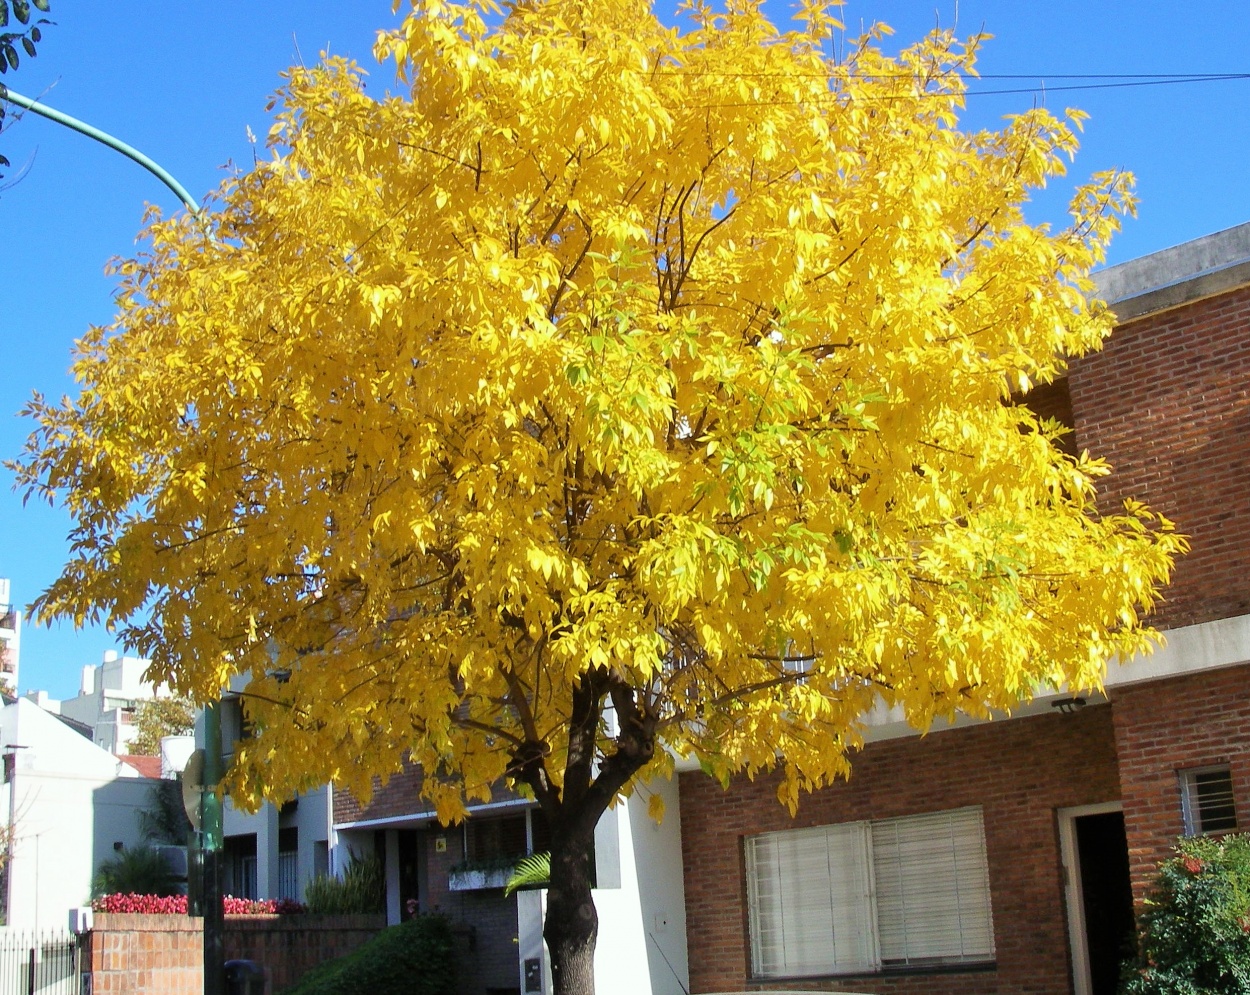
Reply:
x=183, y=80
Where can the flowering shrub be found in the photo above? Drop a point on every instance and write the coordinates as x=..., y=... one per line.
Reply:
x=261, y=906
x=147, y=905
x=1195, y=932
x=177, y=905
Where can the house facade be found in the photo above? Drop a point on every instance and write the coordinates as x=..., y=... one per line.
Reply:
x=459, y=872
x=276, y=851
x=1009, y=856
x=68, y=806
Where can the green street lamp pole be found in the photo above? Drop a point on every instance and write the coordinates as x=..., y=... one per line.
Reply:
x=210, y=801
x=211, y=843
x=43, y=110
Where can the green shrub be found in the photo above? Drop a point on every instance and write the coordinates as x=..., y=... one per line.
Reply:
x=416, y=958
x=1195, y=932
x=361, y=890
x=139, y=870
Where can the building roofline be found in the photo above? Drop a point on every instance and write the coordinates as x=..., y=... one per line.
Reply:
x=1182, y=274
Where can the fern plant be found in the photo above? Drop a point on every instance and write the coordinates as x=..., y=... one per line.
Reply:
x=532, y=872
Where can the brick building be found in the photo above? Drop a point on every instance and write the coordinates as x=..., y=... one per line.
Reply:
x=1007, y=857
x=982, y=858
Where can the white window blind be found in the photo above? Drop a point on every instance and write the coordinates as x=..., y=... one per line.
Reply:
x=859, y=897
x=813, y=896
x=932, y=889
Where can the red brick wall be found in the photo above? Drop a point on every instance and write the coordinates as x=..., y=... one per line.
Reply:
x=1170, y=725
x=1019, y=771
x=1167, y=403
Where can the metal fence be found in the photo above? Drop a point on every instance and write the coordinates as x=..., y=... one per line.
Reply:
x=46, y=963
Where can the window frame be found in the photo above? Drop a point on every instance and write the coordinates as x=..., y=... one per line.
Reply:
x=882, y=845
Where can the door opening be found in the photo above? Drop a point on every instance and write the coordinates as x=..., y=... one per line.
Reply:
x=1099, y=896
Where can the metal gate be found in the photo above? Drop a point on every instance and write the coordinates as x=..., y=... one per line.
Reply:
x=44, y=963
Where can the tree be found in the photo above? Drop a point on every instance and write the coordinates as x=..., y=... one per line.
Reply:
x=164, y=818
x=26, y=38
x=616, y=393
x=159, y=717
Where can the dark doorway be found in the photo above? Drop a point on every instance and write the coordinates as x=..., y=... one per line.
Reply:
x=1107, y=897
x=410, y=854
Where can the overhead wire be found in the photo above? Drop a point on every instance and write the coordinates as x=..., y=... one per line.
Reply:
x=1110, y=81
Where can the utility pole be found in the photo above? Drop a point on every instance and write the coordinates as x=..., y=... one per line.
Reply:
x=210, y=800
x=10, y=777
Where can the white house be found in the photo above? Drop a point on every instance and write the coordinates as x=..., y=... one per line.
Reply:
x=67, y=805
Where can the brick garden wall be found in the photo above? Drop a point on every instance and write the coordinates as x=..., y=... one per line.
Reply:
x=164, y=955
x=1019, y=771
x=145, y=955
x=288, y=947
x=1166, y=726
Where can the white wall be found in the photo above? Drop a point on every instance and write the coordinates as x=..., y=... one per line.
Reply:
x=641, y=902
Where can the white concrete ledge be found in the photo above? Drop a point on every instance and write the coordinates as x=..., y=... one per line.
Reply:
x=1203, y=267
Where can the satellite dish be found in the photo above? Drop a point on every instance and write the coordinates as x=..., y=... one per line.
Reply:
x=193, y=787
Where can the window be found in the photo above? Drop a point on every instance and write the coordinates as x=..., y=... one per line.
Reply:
x=288, y=863
x=1207, y=800
x=869, y=896
x=497, y=839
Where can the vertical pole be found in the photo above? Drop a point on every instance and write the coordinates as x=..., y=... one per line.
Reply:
x=10, y=775
x=211, y=830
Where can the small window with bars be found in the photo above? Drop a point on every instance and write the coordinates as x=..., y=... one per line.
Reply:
x=1207, y=800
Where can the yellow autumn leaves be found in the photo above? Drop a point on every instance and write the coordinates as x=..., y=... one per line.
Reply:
x=683, y=355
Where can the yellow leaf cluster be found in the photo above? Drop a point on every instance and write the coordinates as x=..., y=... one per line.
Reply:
x=674, y=365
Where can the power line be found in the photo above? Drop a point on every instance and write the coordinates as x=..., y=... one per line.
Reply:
x=1178, y=77
x=1111, y=81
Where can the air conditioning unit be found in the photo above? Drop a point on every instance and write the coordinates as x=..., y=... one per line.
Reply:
x=175, y=859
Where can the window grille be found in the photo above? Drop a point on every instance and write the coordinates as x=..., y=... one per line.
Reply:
x=1207, y=802
x=288, y=875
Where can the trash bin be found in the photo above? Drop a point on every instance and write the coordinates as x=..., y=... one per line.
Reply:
x=244, y=977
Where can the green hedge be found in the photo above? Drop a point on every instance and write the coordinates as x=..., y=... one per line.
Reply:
x=1195, y=931
x=416, y=957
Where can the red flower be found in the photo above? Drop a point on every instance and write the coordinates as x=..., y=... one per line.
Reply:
x=1193, y=865
x=176, y=905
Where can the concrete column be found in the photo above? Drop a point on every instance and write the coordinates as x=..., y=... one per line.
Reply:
x=267, y=852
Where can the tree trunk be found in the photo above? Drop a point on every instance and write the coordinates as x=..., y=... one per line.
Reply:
x=572, y=924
